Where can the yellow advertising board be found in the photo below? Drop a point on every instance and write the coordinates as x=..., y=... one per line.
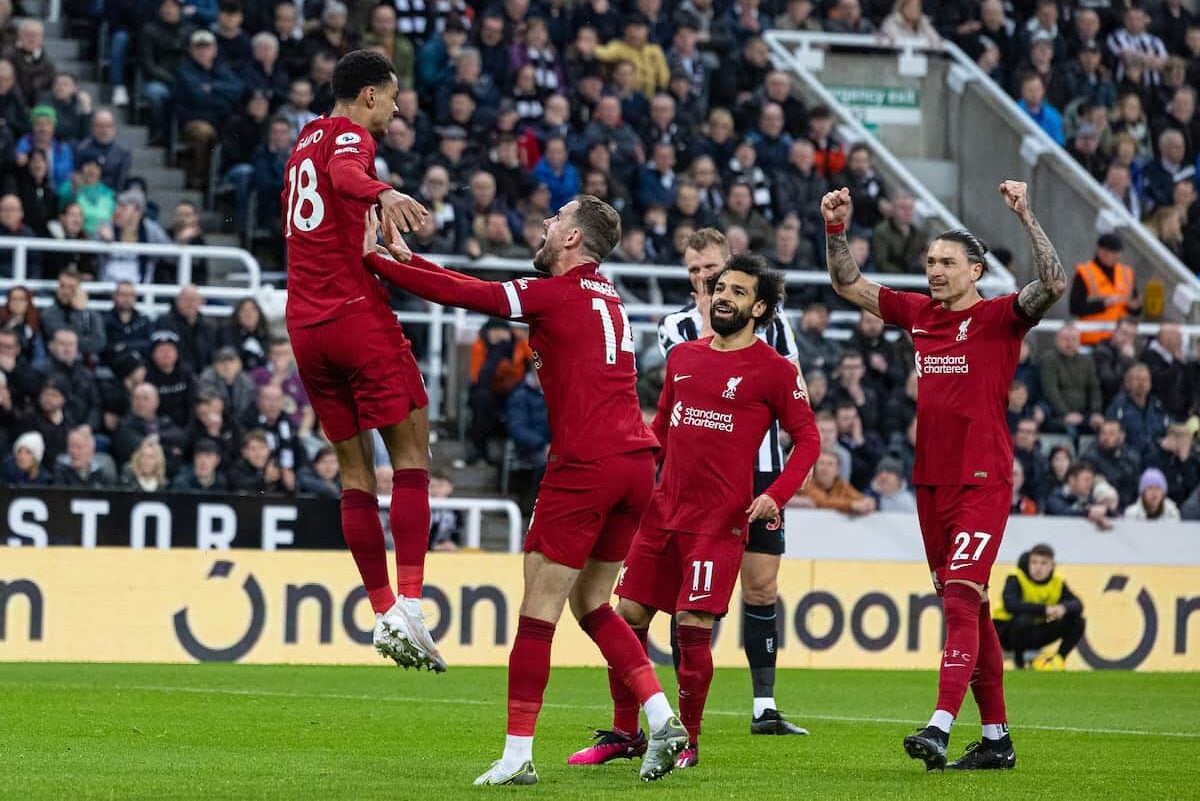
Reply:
x=186, y=605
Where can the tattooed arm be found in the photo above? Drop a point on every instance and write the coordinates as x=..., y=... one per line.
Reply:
x=847, y=280
x=1039, y=295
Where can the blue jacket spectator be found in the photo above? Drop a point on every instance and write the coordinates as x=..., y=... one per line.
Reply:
x=115, y=159
x=208, y=94
x=558, y=174
x=62, y=159
x=1142, y=413
x=528, y=425
x=1032, y=102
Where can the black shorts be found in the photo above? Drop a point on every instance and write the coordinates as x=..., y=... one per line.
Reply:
x=766, y=536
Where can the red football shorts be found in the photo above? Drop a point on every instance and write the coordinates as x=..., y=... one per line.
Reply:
x=359, y=373
x=590, y=510
x=962, y=527
x=673, y=571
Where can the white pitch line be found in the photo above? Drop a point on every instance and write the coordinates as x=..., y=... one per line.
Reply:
x=402, y=699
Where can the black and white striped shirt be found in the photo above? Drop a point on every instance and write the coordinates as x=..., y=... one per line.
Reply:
x=1121, y=41
x=684, y=326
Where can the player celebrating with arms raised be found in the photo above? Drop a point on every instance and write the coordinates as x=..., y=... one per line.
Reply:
x=354, y=360
x=721, y=396
x=966, y=353
x=600, y=469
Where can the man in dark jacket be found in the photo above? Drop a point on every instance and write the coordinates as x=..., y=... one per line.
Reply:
x=197, y=337
x=206, y=93
x=66, y=369
x=69, y=310
x=1168, y=374
x=176, y=384
x=82, y=467
x=125, y=327
x=1175, y=455
x=51, y=419
x=1119, y=464
x=204, y=474
x=528, y=425
x=114, y=159
x=1114, y=356
x=162, y=44
x=1038, y=608
x=35, y=70
x=143, y=420
x=255, y=472
x=797, y=189
x=1139, y=410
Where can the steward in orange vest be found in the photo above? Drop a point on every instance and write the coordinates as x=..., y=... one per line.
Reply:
x=1103, y=290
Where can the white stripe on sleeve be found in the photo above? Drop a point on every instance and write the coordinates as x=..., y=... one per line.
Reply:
x=514, y=299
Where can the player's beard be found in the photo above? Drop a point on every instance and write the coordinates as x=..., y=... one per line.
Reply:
x=726, y=326
x=544, y=259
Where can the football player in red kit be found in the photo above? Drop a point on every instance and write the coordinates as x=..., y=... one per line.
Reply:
x=721, y=395
x=355, y=362
x=599, y=473
x=966, y=353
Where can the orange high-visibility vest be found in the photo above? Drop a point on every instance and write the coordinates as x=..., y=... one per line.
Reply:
x=1100, y=287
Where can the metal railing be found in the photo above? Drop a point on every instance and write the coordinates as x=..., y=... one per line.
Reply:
x=475, y=509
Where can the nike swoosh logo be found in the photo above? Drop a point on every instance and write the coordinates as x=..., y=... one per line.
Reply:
x=950, y=664
x=698, y=597
x=681, y=377
x=919, y=331
x=961, y=565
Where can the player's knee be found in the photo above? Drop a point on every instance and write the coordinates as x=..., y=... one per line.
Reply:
x=703, y=620
x=633, y=613
x=363, y=480
x=762, y=592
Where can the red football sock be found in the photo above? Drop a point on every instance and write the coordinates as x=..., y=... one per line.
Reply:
x=409, y=517
x=695, y=675
x=987, y=684
x=961, y=604
x=528, y=674
x=363, y=533
x=631, y=677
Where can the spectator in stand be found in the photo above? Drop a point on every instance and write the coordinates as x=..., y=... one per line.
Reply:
x=852, y=386
x=1114, y=356
x=1135, y=39
x=1085, y=149
x=634, y=46
x=445, y=525
x=58, y=153
x=828, y=490
x=146, y=470
x=1175, y=455
x=206, y=93
x=162, y=44
x=66, y=365
x=298, y=111
x=130, y=224
x=498, y=360
x=384, y=34
x=1022, y=504
x=791, y=251
x=1130, y=119
x=1078, y=498
x=528, y=425
x=1152, y=501
x=81, y=467
x=1190, y=510
x=123, y=20
x=204, y=474
x=889, y=490
x=867, y=191
x=35, y=70
x=197, y=335
x=1032, y=102
x=1071, y=385
x=96, y=199
x=907, y=23
x=398, y=161
x=1119, y=183
x=12, y=224
x=1119, y=464
x=897, y=244
x=247, y=333
x=280, y=371
x=233, y=45
x=176, y=384
x=38, y=197
x=240, y=139
x=268, y=416
x=21, y=316
x=266, y=73
x=740, y=212
x=865, y=447
x=321, y=479
x=291, y=43
x=208, y=420
x=1171, y=166
x=816, y=351
x=13, y=109
x=20, y=378
x=537, y=51
x=1103, y=289
x=267, y=165
x=116, y=393
x=125, y=328
x=70, y=310
x=143, y=420
x=1140, y=411
x=226, y=379
x=24, y=467
x=332, y=36
x=255, y=472
x=1087, y=77
x=772, y=143
x=72, y=107
x=556, y=171
x=846, y=17
x=51, y=420
x=1037, y=608
x=798, y=16
x=798, y=187
x=1168, y=371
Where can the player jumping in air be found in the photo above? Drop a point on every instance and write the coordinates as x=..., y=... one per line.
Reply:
x=721, y=395
x=600, y=469
x=966, y=353
x=355, y=362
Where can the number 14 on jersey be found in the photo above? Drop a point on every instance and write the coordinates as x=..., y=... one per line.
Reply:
x=610, y=332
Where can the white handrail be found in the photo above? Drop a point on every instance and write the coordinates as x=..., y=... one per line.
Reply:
x=475, y=507
x=776, y=42
x=21, y=247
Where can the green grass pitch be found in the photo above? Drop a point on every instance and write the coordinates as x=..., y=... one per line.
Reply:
x=242, y=732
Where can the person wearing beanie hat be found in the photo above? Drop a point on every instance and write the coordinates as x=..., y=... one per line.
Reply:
x=24, y=466
x=1103, y=289
x=890, y=490
x=1152, y=502
x=42, y=137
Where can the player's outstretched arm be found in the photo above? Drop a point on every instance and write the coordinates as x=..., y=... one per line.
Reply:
x=1039, y=295
x=847, y=279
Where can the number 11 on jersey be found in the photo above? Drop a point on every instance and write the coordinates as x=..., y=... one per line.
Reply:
x=610, y=331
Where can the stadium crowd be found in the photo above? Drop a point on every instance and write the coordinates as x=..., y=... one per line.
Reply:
x=671, y=112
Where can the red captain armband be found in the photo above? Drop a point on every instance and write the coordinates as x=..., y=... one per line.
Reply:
x=836, y=228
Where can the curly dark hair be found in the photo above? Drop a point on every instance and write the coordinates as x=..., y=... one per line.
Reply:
x=359, y=69
x=769, y=287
